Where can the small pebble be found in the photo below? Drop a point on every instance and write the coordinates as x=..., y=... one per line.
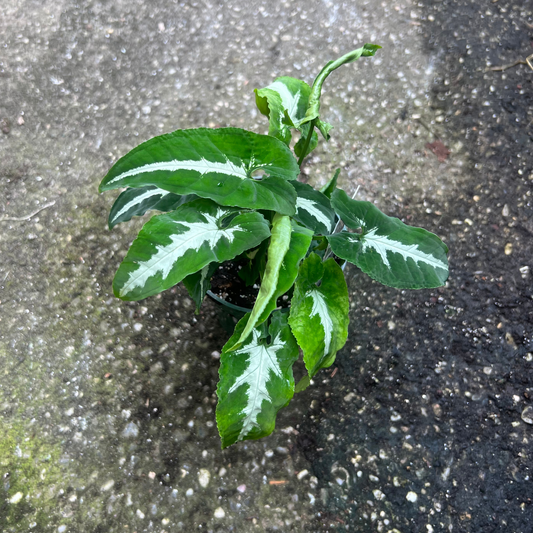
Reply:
x=527, y=415
x=131, y=430
x=137, y=326
x=508, y=250
x=241, y=488
x=203, y=477
x=151, y=475
x=140, y=514
x=378, y=494
x=411, y=496
x=108, y=485
x=219, y=512
x=62, y=529
x=146, y=110
x=16, y=497
x=302, y=474
x=165, y=521
x=189, y=492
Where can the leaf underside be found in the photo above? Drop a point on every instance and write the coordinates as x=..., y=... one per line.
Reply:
x=279, y=244
x=220, y=164
x=388, y=250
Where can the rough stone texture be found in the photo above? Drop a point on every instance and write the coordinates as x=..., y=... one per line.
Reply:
x=107, y=408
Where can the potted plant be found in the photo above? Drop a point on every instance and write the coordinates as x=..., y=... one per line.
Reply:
x=230, y=194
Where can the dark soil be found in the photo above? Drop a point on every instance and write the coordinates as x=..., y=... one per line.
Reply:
x=227, y=284
x=429, y=392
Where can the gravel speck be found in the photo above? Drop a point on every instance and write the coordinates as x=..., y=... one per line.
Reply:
x=16, y=497
x=203, y=477
x=527, y=415
x=219, y=512
x=411, y=496
x=131, y=430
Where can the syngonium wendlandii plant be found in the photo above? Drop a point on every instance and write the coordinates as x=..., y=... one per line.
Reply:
x=232, y=194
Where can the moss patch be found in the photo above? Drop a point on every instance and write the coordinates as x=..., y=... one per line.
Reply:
x=30, y=479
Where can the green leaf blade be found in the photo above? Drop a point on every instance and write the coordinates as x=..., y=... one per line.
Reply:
x=198, y=284
x=279, y=245
x=299, y=245
x=217, y=164
x=256, y=380
x=319, y=313
x=313, y=209
x=388, y=250
x=284, y=102
x=136, y=202
x=172, y=246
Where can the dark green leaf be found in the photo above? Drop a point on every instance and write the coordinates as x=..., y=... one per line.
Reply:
x=331, y=185
x=136, y=202
x=219, y=164
x=319, y=313
x=388, y=250
x=313, y=209
x=172, y=246
x=198, y=284
x=299, y=146
x=256, y=380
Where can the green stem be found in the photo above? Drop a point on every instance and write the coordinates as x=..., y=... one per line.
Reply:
x=307, y=143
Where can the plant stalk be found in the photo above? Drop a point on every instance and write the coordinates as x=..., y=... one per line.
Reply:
x=307, y=143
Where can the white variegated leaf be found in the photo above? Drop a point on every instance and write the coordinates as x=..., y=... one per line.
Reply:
x=174, y=245
x=136, y=202
x=220, y=164
x=319, y=312
x=386, y=249
x=313, y=209
x=255, y=380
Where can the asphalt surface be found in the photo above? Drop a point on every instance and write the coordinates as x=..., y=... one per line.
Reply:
x=107, y=408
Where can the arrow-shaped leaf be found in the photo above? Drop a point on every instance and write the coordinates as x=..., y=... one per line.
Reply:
x=388, y=250
x=313, y=209
x=256, y=380
x=219, y=164
x=172, y=246
x=319, y=313
x=279, y=244
x=136, y=202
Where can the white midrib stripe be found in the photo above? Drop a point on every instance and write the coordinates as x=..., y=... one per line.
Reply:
x=256, y=385
x=141, y=272
x=406, y=251
x=203, y=166
x=309, y=205
x=289, y=100
x=139, y=199
x=320, y=308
